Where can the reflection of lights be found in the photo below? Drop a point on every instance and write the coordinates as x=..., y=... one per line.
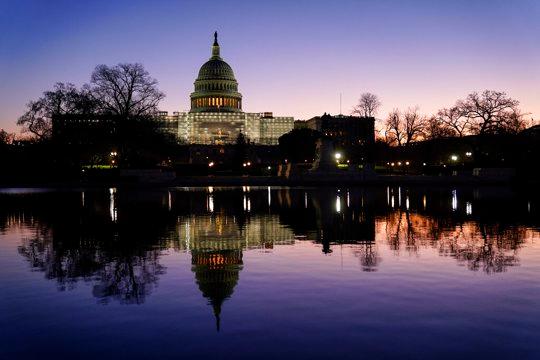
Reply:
x=454, y=200
x=82, y=198
x=188, y=236
x=388, y=195
x=170, y=201
x=211, y=203
x=528, y=206
x=407, y=202
x=305, y=200
x=269, y=196
x=424, y=201
x=247, y=204
x=454, y=157
x=399, y=196
x=338, y=204
x=468, y=208
x=112, y=204
x=392, y=202
x=348, y=199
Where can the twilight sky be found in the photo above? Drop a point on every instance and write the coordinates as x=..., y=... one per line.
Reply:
x=289, y=57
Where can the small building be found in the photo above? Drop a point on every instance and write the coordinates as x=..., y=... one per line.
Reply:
x=344, y=130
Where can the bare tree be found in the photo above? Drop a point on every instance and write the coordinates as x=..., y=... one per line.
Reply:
x=368, y=104
x=515, y=122
x=436, y=129
x=64, y=98
x=126, y=90
x=413, y=124
x=6, y=138
x=455, y=119
x=394, y=128
x=489, y=111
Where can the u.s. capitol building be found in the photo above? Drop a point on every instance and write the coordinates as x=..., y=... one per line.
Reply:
x=216, y=115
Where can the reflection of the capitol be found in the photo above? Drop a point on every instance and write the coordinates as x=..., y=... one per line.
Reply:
x=115, y=238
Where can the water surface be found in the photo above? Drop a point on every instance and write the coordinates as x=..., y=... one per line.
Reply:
x=262, y=272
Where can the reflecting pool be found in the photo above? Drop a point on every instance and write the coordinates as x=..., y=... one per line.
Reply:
x=268, y=272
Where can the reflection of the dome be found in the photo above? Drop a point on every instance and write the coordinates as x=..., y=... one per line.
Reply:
x=216, y=274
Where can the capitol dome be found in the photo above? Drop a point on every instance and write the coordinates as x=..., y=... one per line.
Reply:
x=216, y=89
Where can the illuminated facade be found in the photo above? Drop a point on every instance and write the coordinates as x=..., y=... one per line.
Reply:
x=216, y=115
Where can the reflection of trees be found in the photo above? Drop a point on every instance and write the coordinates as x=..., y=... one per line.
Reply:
x=70, y=243
x=490, y=247
x=368, y=255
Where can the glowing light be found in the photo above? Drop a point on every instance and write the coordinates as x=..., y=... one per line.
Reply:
x=211, y=163
x=399, y=163
x=424, y=164
x=454, y=157
x=424, y=201
x=112, y=204
x=468, y=208
x=269, y=196
x=269, y=168
x=337, y=156
x=338, y=204
x=407, y=202
x=468, y=154
x=407, y=163
x=210, y=189
x=211, y=203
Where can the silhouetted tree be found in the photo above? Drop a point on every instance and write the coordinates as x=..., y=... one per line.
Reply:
x=125, y=90
x=436, y=129
x=64, y=98
x=414, y=124
x=394, y=129
x=489, y=111
x=454, y=119
x=368, y=104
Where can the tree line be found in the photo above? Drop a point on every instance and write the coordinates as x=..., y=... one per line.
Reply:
x=125, y=91
x=488, y=112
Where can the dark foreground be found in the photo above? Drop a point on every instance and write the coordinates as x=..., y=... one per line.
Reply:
x=270, y=272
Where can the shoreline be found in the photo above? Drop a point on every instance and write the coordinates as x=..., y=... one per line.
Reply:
x=322, y=181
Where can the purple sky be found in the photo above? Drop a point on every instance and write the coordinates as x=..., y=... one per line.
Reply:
x=289, y=57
